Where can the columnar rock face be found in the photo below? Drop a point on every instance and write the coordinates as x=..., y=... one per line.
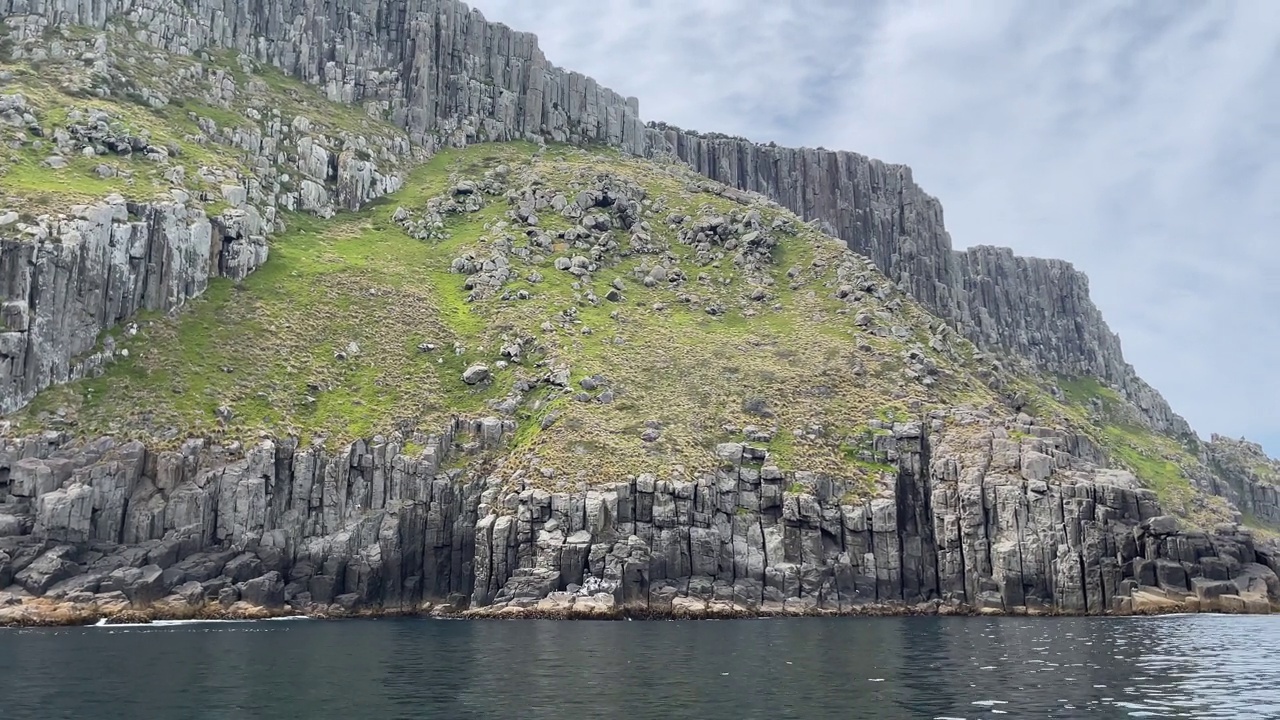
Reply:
x=446, y=74
x=434, y=66
x=975, y=517
x=976, y=512
x=63, y=280
x=371, y=520
x=296, y=167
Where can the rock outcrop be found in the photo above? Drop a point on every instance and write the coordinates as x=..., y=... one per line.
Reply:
x=1246, y=477
x=65, y=279
x=433, y=66
x=975, y=518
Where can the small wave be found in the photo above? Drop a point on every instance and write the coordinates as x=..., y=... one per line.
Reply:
x=179, y=623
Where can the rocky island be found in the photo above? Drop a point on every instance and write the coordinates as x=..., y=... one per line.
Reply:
x=364, y=307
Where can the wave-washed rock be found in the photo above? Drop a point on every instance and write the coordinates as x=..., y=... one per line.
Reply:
x=980, y=517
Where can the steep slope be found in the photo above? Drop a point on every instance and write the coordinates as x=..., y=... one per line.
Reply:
x=1247, y=477
x=447, y=75
x=524, y=377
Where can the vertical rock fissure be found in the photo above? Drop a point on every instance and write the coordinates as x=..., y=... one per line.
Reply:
x=1022, y=575
x=764, y=546
x=929, y=540
x=900, y=497
x=986, y=509
x=1051, y=579
x=871, y=548
x=1084, y=584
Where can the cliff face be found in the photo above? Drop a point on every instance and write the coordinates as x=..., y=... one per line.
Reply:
x=445, y=73
x=434, y=66
x=64, y=281
x=65, y=277
x=980, y=519
x=980, y=512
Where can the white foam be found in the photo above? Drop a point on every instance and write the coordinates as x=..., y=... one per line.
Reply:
x=179, y=623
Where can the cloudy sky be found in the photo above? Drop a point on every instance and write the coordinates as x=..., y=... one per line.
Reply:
x=1138, y=140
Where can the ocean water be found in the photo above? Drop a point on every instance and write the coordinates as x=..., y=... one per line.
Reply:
x=874, y=668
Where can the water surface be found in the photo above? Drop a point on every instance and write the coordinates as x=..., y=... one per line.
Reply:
x=874, y=668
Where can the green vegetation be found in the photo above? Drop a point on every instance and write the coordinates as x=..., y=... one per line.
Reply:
x=175, y=102
x=1086, y=390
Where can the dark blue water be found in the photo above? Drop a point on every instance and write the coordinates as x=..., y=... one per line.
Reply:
x=1173, y=667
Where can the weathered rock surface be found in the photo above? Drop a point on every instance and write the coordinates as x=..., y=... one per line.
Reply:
x=65, y=279
x=433, y=66
x=976, y=520
x=1246, y=477
x=1037, y=309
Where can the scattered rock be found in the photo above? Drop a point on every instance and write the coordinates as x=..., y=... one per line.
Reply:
x=476, y=374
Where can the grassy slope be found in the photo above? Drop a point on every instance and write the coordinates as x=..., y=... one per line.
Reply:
x=268, y=348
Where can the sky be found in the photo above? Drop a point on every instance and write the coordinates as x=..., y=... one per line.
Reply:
x=1138, y=140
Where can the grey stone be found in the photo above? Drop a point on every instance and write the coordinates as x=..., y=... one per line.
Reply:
x=88, y=278
x=476, y=374
x=245, y=566
x=266, y=591
x=966, y=518
x=49, y=569
x=142, y=586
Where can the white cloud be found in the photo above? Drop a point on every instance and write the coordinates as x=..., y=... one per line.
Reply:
x=1140, y=141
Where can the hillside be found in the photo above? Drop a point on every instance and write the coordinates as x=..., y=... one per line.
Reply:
x=648, y=301
x=264, y=348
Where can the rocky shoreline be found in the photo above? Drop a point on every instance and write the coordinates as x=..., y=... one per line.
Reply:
x=39, y=612
x=975, y=519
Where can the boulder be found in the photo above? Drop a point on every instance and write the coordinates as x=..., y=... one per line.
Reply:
x=191, y=592
x=143, y=586
x=47, y=570
x=245, y=566
x=476, y=374
x=266, y=591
